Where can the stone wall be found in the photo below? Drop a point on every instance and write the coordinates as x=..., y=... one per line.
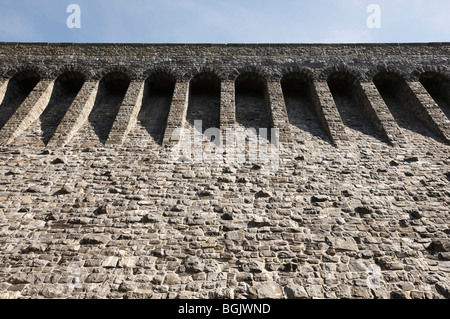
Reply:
x=93, y=205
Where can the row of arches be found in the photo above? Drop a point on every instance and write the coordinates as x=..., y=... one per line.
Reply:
x=272, y=72
x=347, y=94
x=251, y=101
x=204, y=101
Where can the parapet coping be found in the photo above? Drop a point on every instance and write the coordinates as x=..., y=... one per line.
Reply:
x=99, y=44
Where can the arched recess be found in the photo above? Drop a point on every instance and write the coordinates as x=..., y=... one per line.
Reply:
x=204, y=102
x=19, y=87
x=349, y=97
x=299, y=105
x=397, y=96
x=111, y=92
x=252, y=107
x=66, y=88
x=438, y=86
x=156, y=103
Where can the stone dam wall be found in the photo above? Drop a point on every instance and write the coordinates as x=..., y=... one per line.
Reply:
x=354, y=204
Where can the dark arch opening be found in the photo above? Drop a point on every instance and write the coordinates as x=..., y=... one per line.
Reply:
x=388, y=83
x=112, y=90
x=348, y=97
x=252, y=108
x=19, y=87
x=204, y=102
x=396, y=94
x=158, y=94
x=299, y=105
x=438, y=86
x=66, y=88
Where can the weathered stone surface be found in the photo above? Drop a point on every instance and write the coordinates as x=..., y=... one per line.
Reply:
x=172, y=279
x=364, y=210
x=103, y=210
x=93, y=193
x=253, y=267
x=267, y=290
x=343, y=243
x=443, y=289
x=127, y=286
x=21, y=278
x=319, y=198
x=66, y=189
x=96, y=278
x=94, y=240
x=194, y=265
x=439, y=246
x=294, y=291
x=127, y=262
x=110, y=262
x=52, y=292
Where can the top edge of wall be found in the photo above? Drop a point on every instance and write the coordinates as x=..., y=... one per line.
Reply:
x=225, y=44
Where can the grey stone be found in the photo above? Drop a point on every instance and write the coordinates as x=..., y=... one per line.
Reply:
x=439, y=246
x=263, y=194
x=92, y=191
x=398, y=295
x=103, y=210
x=21, y=278
x=127, y=287
x=127, y=262
x=444, y=256
x=52, y=292
x=319, y=198
x=444, y=289
x=193, y=265
x=79, y=220
x=294, y=291
x=172, y=279
x=110, y=262
x=58, y=160
x=266, y=290
x=66, y=190
x=253, y=267
x=146, y=262
x=94, y=240
x=364, y=210
x=345, y=244
x=36, y=248
x=222, y=293
x=96, y=278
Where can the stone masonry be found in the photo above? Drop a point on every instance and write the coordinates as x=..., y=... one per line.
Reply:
x=92, y=204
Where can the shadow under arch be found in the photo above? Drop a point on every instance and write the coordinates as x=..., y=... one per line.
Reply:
x=156, y=102
x=112, y=89
x=438, y=86
x=66, y=88
x=300, y=108
x=395, y=91
x=18, y=89
x=204, y=102
x=356, y=115
x=252, y=107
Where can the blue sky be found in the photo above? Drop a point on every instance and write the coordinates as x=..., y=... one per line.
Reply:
x=225, y=21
